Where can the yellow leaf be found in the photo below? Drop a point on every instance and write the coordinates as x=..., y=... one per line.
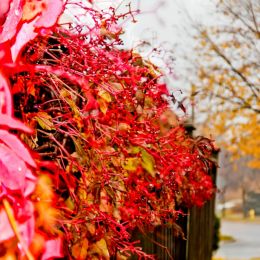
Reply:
x=100, y=248
x=102, y=105
x=69, y=203
x=47, y=216
x=45, y=121
x=71, y=100
x=104, y=95
x=43, y=190
x=121, y=256
x=148, y=162
x=131, y=164
x=73, y=106
x=9, y=256
x=135, y=149
x=123, y=126
x=64, y=93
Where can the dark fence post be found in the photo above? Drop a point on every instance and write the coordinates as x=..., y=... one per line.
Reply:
x=201, y=227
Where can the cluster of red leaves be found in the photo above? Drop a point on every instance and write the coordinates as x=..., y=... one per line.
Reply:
x=113, y=156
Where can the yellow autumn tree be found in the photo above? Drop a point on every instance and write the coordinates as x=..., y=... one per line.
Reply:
x=226, y=85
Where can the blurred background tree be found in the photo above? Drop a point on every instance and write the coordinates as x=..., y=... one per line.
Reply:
x=225, y=85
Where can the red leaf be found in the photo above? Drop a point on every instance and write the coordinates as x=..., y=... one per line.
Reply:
x=91, y=104
x=5, y=53
x=13, y=172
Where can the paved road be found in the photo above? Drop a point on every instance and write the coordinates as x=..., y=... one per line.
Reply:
x=247, y=236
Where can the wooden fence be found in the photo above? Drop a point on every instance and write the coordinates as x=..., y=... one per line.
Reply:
x=198, y=228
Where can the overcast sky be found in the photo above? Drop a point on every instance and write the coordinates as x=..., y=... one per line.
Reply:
x=167, y=23
x=168, y=17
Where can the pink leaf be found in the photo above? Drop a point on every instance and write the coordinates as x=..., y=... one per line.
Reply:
x=12, y=20
x=26, y=228
x=30, y=183
x=53, y=248
x=4, y=7
x=50, y=14
x=9, y=122
x=6, y=230
x=17, y=146
x=5, y=97
x=36, y=14
x=29, y=187
x=25, y=34
x=12, y=169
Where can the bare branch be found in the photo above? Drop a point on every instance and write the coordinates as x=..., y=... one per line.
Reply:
x=253, y=88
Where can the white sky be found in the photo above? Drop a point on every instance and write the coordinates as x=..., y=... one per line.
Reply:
x=169, y=25
x=167, y=18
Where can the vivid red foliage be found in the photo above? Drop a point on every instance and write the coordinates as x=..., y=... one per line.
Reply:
x=111, y=156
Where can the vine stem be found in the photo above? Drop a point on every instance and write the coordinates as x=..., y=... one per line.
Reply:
x=10, y=215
